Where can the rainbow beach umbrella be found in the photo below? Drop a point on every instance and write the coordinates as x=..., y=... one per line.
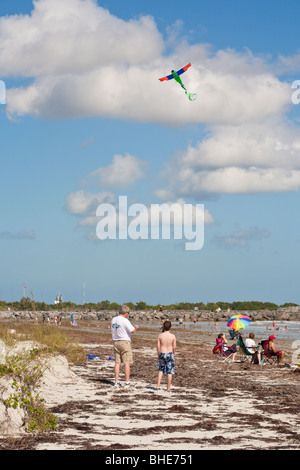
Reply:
x=238, y=322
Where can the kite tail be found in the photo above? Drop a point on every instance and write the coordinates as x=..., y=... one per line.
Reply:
x=191, y=96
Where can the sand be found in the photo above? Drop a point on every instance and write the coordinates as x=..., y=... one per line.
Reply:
x=212, y=405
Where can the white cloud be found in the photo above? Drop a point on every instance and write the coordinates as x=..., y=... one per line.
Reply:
x=173, y=213
x=133, y=92
x=72, y=36
x=288, y=64
x=84, y=61
x=123, y=171
x=248, y=158
x=83, y=203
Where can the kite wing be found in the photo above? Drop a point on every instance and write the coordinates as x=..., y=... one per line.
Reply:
x=179, y=72
x=168, y=77
x=184, y=69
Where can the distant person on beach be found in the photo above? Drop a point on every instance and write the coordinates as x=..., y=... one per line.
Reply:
x=122, y=330
x=166, y=346
x=232, y=333
x=273, y=351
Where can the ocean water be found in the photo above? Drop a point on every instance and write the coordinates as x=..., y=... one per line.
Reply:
x=261, y=329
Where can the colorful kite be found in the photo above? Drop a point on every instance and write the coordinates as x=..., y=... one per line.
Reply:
x=175, y=75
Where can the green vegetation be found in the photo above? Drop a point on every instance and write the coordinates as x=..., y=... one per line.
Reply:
x=26, y=370
x=28, y=304
x=55, y=340
x=26, y=373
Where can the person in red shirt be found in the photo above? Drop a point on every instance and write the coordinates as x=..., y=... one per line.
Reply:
x=273, y=351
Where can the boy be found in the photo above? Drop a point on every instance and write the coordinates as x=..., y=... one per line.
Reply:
x=166, y=346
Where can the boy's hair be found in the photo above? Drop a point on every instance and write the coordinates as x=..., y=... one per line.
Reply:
x=167, y=325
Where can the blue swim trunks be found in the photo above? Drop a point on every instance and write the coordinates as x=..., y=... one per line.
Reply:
x=166, y=363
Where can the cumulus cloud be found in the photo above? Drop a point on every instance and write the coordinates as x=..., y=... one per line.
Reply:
x=83, y=203
x=133, y=92
x=247, y=158
x=84, y=61
x=71, y=37
x=91, y=208
x=123, y=171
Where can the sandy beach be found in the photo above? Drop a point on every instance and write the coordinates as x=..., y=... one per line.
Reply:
x=212, y=405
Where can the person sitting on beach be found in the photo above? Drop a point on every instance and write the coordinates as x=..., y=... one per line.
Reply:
x=274, y=352
x=166, y=346
x=252, y=348
x=232, y=333
x=222, y=348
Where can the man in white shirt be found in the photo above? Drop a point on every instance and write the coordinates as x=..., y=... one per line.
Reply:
x=122, y=330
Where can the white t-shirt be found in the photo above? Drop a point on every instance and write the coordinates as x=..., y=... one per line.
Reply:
x=121, y=329
x=249, y=343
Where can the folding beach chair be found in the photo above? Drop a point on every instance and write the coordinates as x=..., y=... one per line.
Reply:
x=223, y=354
x=244, y=354
x=267, y=357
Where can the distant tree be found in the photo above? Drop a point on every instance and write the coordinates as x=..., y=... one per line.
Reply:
x=25, y=303
x=141, y=305
x=224, y=305
x=114, y=306
x=211, y=306
x=41, y=306
x=289, y=304
x=104, y=304
x=270, y=306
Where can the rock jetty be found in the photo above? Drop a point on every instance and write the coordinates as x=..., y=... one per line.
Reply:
x=282, y=314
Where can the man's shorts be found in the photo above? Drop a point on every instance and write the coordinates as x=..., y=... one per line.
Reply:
x=123, y=352
x=166, y=363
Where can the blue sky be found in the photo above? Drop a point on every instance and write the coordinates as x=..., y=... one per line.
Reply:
x=87, y=120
